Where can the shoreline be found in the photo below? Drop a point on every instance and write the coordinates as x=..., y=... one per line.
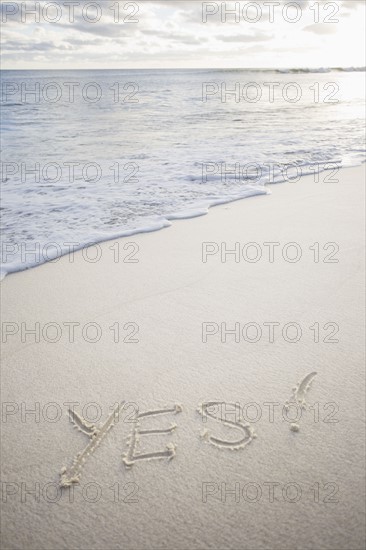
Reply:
x=160, y=222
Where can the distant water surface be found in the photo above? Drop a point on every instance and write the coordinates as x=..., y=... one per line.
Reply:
x=136, y=156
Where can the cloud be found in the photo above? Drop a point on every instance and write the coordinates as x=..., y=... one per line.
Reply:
x=321, y=28
x=352, y=4
x=258, y=37
x=171, y=33
x=105, y=30
x=35, y=46
x=183, y=38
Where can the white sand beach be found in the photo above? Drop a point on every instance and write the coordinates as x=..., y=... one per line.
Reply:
x=282, y=489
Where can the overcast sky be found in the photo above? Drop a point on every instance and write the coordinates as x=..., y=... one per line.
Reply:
x=171, y=33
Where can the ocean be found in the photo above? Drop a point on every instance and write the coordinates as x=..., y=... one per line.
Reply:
x=89, y=156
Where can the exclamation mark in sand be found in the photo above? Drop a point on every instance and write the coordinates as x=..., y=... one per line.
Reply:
x=299, y=393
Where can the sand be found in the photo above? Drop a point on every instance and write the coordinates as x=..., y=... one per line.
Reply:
x=194, y=473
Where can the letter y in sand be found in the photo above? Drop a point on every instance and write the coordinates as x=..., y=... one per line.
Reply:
x=96, y=434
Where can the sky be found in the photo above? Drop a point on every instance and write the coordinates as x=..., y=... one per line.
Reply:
x=183, y=34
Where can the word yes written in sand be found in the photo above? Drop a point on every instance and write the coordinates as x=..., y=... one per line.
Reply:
x=208, y=410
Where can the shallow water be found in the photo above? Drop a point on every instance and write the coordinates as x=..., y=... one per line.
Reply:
x=88, y=162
